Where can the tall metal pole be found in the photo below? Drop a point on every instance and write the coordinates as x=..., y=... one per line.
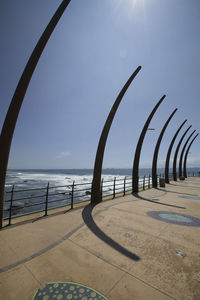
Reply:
x=96, y=183
x=155, y=156
x=186, y=155
x=135, y=171
x=169, y=153
x=176, y=154
x=181, y=156
x=14, y=109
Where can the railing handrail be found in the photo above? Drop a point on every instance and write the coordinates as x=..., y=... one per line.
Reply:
x=62, y=186
x=73, y=192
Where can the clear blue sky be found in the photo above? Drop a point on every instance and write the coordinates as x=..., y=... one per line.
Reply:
x=94, y=49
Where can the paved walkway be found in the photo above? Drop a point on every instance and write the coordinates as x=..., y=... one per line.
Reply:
x=133, y=247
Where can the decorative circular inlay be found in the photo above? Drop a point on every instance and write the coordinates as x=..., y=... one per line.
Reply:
x=191, y=197
x=67, y=290
x=174, y=218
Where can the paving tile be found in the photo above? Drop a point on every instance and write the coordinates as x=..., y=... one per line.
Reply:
x=18, y=283
x=27, y=239
x=68, y=262
x=121, y=252
x=174, y=275
x=130, y=288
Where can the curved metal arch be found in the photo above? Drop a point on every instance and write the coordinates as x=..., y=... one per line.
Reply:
x=186, y=155
x=169, y=153
x=182, y=152
x=155, y=156
x=136, y=162
x=96, y=183
x=15, y=106
x=176, y=154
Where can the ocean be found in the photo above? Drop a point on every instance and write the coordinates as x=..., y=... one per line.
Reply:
x=30, y=186
x=38, y=178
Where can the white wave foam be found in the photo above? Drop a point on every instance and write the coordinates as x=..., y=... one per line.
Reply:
x=30, y=179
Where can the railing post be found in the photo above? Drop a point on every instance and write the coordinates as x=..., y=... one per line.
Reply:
x=114, y=187
x=101, y=189
x=124, y=185
x=144, y=183
x=47, y=198
x=91, y=191
x=11, y=202
x=72, y=196
x=149, y=182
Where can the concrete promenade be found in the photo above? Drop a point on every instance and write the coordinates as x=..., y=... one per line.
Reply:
x=138, y=247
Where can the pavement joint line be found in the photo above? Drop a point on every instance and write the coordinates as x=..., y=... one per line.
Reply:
x=67, y=236
x=42, y=251
x=122, y=270
x=101, y=258
x=125, y=272
x=101, y=210
x=152, y=286
x=111, y=264
x=119, y=202
x=124, y=210
x=32, y=275
x=115, y=284
x=161, y=231
x=11, y=248
x=51, y=246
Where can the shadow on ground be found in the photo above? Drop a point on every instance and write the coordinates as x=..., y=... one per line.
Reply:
x=161, y=203
x=176, y=192
x=89, y=221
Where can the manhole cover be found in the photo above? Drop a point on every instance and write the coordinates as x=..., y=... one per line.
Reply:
x=67, y=290
x=174, y=218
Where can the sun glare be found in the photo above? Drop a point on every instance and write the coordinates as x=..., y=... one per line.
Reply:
x=135, y=8
x=131, y=5
x=134, y=3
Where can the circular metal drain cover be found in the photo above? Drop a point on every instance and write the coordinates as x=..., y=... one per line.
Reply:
x=67, y=290
x=128, y=235
x=174, y=218
x=180, y=253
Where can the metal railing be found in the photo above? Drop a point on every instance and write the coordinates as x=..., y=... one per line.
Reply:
x=21, y=202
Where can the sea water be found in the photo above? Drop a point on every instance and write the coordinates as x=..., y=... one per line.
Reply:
x=33, y=179
x=38, y=178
